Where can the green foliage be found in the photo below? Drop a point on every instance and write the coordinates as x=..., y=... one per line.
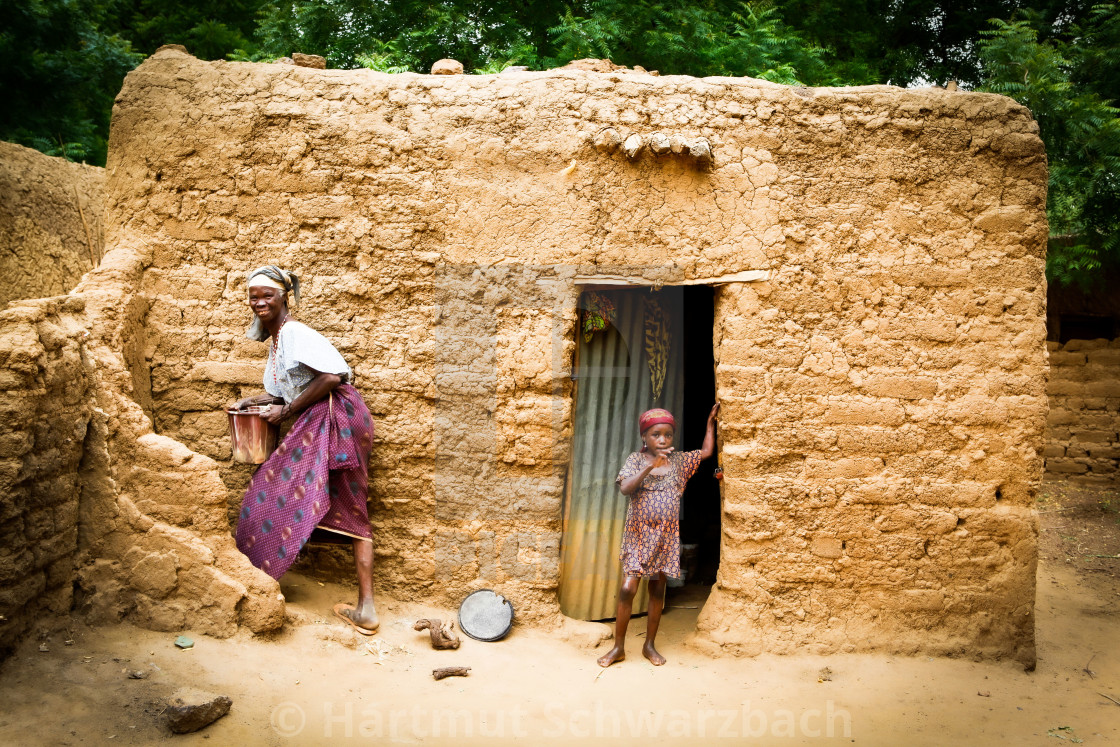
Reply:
x=690, y=39
x=353, y=33
x=385, y=58
x=1082, y=136
x=61, y=74
x=577, y=37
x=210, y=29
x=1095, y=52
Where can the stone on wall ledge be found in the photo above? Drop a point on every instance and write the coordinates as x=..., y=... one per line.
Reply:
x=447, y=66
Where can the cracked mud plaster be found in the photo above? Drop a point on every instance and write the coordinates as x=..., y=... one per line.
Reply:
x=883, y=390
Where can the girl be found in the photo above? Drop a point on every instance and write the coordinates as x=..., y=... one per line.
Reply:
x=654, y=479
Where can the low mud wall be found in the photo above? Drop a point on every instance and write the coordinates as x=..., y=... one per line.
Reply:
x=1083, y=426
x=44, y=416
x=93, y=511
x=52, y=213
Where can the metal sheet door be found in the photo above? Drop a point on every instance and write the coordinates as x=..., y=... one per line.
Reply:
x=613, y=387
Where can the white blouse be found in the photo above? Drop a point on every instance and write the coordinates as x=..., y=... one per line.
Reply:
x=296, y=356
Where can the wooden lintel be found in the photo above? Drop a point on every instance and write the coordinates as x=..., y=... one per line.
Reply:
x=749, y=276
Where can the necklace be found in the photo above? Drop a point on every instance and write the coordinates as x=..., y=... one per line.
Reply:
x=275, y=352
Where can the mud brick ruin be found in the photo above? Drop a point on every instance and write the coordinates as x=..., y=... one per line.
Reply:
x=878, y=336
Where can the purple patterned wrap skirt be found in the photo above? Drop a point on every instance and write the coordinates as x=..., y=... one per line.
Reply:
x=316, y=477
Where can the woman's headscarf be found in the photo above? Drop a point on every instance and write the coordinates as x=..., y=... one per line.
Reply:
x=287, y=281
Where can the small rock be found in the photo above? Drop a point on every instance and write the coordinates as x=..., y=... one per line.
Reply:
x=137, y=674
x=633, y=146
x=309, y=60
x=190, y=709
x=283, y=61
x=701, y=150
x=184, y=642
x=516, y=69
x=678, y=144
x=607, y=140
x=447, y=67
x=44, y=647
x=659, y=144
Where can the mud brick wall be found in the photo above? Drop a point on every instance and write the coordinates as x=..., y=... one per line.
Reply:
x=44, y=413
x=1083, y=427
x=51, y=219
x=88, y=494
x=883, y=384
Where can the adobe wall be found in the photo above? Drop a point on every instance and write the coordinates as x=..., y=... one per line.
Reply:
x=51, y=217
x=1082, y=441
x=44, y=413
x=883, y=387
x=79, y=464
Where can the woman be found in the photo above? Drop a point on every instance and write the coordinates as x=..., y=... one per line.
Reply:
x=317, y=477
x=654, y=480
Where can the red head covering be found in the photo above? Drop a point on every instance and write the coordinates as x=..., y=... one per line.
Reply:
x=652, y=417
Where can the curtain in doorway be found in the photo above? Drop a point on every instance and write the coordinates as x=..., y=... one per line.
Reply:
x=615, y=379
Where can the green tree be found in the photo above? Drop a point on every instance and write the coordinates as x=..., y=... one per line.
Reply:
x=210, y=29
x=690, y=39
x=61, y=74
x=412, y=33
x=1081, y=131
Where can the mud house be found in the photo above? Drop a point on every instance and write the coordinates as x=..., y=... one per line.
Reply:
x=515, y=265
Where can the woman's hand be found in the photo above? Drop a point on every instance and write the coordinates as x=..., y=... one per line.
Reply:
x=256, y=399
x=274, y=415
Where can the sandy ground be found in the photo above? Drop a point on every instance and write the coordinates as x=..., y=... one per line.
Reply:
x=318, y=682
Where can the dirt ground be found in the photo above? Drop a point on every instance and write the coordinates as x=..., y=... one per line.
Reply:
x=317, y=681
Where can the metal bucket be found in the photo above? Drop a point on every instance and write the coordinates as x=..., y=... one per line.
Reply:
x=253, y=437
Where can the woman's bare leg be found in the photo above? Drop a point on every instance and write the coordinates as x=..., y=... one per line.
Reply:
x=364, y=614
x=656, y=604
x=621, y=621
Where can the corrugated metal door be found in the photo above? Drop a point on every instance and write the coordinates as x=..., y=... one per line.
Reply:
x=613, y=387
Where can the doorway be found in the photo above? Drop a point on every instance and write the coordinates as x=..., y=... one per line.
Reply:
x=636, y=348
x=700, y=508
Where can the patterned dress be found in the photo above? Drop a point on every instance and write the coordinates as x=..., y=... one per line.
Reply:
x=651, y=539
x=317, y=477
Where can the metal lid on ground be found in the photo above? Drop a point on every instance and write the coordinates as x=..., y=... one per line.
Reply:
x=486, y=616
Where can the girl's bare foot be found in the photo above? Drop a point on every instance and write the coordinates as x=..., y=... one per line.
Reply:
x=614, y=655
x=650, y=653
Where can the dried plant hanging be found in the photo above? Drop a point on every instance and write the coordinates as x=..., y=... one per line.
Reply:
x=598, y=312
x=658, y=339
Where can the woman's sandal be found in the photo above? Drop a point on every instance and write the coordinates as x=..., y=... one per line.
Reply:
x=338, y=612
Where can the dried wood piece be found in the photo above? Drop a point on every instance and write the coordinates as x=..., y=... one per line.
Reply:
x=442, y=672
x=443, y=636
